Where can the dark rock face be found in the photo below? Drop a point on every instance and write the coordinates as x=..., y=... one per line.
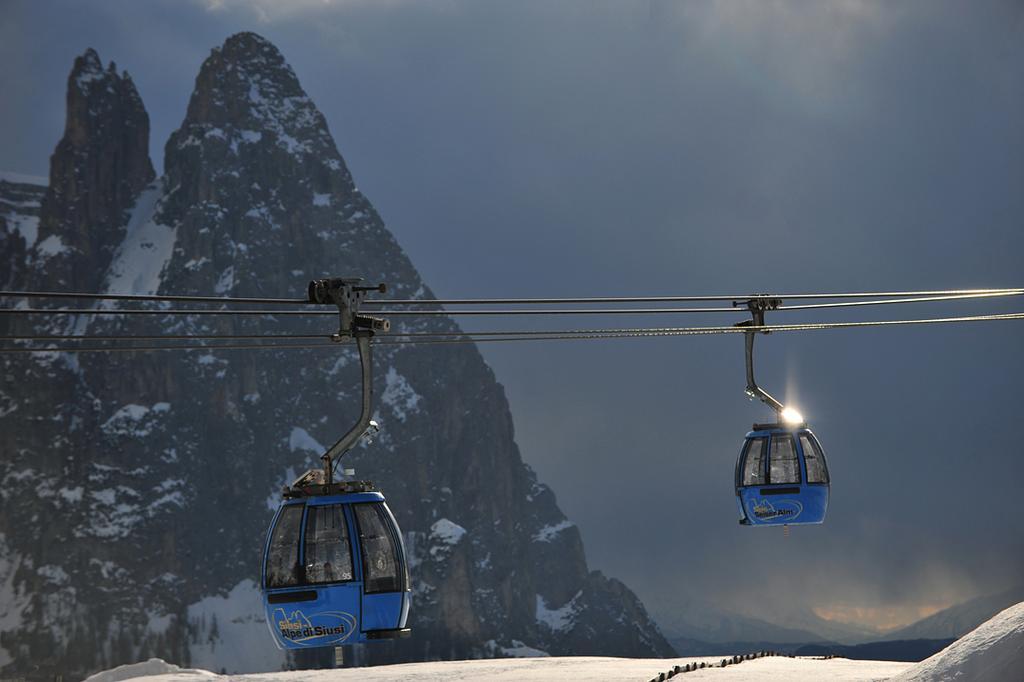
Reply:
x=137, y=488
x=19, y=224
x=96, y=172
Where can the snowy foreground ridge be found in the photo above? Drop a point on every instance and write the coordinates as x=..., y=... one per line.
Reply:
x=992, y=652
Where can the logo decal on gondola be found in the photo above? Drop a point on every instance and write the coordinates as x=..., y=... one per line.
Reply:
x=304, y=630
x=782, y=509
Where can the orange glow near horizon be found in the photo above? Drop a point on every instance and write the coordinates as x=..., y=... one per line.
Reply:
x=881, y=618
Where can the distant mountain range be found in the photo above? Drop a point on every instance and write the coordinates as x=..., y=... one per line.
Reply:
x=704, y=630
x=912, y=650
x=958, y=620
x=696, y=622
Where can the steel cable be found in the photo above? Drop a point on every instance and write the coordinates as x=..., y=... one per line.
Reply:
x=514, y=311
x=456, y=337
x=157, y=311
x=152, y=297
x=935, y=294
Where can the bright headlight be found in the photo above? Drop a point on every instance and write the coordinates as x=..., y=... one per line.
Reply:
x=791, y=416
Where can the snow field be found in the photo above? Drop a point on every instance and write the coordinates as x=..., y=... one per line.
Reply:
x=576, y=668
x=993, y=652
x=153, y=669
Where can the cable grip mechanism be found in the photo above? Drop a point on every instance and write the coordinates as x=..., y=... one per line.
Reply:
x=347, y=293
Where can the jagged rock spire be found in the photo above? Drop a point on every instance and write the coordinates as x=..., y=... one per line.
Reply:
x=96, y=173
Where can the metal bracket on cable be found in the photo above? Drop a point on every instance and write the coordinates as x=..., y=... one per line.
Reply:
x=347, y=294
x=757, y=307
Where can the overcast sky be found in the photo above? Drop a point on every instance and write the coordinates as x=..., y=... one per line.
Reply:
x=585, y=148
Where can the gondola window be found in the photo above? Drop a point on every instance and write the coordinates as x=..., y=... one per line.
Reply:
x=816, y=471
x=328, y=553
x=753, y=463
x=783, y=465
x=380, y=563
x=283, y=555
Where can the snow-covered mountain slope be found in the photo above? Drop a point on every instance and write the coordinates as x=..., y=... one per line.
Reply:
x=576, y=668
x=19, y=205
x=136, y=488
x=21, y=197
x=993, y=652
x=960, y=619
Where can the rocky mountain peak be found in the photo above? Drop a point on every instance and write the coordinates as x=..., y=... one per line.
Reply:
x=88, y=62
x=246, y=45
x=246, y=94
x=254, y=164
x=95, y=94
x=158, y=473
x=96, y=173
x=241, y=77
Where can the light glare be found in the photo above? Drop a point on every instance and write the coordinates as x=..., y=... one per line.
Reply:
x=791, y=416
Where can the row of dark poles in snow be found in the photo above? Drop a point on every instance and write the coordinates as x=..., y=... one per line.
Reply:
x=733, y=660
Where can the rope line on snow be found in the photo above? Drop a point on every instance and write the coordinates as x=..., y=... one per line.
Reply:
x=732, y=660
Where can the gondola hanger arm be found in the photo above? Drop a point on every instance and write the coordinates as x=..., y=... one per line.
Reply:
x=347, y=294
x=757, y=307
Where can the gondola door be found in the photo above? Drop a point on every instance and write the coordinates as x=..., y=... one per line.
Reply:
x=750, y=474
x=312, y=596
x=385, y=599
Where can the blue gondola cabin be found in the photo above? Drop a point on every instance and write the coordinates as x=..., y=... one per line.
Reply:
x=781, y=477
x=334, y=570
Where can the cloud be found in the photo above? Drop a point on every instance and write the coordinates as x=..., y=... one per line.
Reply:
x=814, y=54
x=272, y=11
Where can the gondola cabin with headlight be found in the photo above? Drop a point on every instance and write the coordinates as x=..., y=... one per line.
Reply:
x=781, y=476
x=334, y=568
